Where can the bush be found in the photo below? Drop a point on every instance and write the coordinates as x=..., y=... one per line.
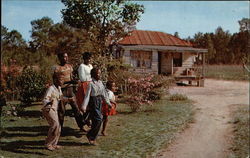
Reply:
x=32, y=86
x=13, y=110
x=144, y=89
x=138, y=89
x=178, y=97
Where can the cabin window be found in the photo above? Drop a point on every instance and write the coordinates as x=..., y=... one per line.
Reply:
x=177, y=59
x=141, y=59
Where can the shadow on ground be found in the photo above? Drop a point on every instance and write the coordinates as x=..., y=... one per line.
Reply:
x=21, y=146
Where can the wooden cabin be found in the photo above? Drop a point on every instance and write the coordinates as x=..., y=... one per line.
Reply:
x=162, y=53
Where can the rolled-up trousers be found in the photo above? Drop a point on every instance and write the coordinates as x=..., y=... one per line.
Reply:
x=54, y=129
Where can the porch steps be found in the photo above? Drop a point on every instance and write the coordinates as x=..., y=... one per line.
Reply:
x=179, y=70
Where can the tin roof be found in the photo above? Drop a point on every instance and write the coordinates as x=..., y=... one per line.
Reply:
x=141, y=37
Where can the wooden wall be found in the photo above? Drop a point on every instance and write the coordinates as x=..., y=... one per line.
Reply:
x=154, y=66
x=166, y=63
x=188, y=59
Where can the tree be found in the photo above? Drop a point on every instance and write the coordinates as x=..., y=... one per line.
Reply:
x=4, y=33
x=104, y=21
x=176, y=34
x=244, y=24
x=210, y=55
x=199, y=40
x=221, y=40
x=239, y=46
x=13, y=46
x=64, y=38
x=40, y=34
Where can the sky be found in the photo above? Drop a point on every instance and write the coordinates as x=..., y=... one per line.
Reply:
x=184, y=17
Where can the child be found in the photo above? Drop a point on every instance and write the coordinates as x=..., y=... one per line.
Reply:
x=93, y=99
x=105, y=109
x=51, y=101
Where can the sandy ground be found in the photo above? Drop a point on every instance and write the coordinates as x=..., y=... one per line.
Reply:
x=210, y=133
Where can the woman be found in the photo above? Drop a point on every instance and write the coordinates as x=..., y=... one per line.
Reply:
x=85, y=77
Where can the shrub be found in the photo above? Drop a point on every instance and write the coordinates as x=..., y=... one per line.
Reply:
x=31, y=85
x=139, y=89
x=144, y=89
x=13, y=110
x=178, y=97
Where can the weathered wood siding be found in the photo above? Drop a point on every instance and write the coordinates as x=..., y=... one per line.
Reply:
x=126, y=57
x=154, y=66
x=187, y=59
x=166, y=63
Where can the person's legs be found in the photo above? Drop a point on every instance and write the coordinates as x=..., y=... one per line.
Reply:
x=96, y=118
x=95, y=128
x=104, y=124
x=78, y=117
x=54, y=129
x=61, y=112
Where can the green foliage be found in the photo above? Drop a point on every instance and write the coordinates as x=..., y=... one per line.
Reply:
x=178, y=97
x=104, y=21
x=12, y=110
x=224, y=48
x=138, y=89
x=239, y=46
x=49, y=38
x=176, y=34
x=244, y=24
x=32, y=85
x=40, y=34
x=13, y=46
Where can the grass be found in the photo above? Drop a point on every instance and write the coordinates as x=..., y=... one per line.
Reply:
x=241, y=141
x=139, y=134
x=178, y=97
x=226, y=72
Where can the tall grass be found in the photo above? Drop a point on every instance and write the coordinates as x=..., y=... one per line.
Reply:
x=226, y=72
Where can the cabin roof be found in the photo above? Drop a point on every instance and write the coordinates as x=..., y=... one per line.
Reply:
x=141, y=37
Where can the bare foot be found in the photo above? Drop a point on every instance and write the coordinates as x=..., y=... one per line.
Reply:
x=51, y=148
x=104, y=133
x=57, y=147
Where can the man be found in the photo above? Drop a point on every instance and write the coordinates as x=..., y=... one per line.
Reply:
x=64, y=74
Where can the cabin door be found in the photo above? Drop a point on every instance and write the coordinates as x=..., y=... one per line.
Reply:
x=177, y=59
x=159, y=62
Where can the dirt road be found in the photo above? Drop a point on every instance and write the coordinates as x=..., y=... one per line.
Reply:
x=209, y=135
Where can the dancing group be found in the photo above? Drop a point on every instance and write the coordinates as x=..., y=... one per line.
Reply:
x=91, y=106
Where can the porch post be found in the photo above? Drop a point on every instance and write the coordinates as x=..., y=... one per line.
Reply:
x=172, y=63
x=155, y=61
x=126, y=57
x=203, y=65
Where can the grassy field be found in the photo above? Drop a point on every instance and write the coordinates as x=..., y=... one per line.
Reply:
x=226, y=72
x=134, y=135
x=241, y=142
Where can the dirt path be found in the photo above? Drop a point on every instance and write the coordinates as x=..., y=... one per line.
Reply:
x=208, y=136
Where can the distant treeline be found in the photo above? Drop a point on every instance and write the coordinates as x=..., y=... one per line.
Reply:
x=47, y=38
x=223, y=47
